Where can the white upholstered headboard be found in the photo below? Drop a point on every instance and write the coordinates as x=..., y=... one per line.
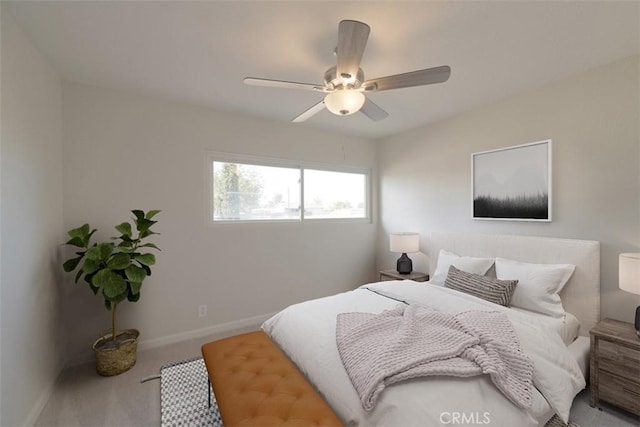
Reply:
x=580, y=296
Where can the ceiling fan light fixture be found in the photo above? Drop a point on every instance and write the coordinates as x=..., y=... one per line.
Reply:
x=343, y=102
x=344, y=84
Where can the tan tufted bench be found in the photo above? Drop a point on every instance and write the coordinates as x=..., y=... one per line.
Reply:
x=256, y=384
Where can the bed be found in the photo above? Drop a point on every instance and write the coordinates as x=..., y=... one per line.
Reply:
x=557, y=345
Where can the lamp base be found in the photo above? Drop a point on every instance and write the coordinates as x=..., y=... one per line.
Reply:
x=405, y=266
x=638, y=320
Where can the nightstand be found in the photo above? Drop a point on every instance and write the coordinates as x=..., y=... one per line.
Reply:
x=394, y=275
x=615, y=365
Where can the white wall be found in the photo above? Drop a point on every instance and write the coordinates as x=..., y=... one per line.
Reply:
x=123, y=151
x=593, y=119
x=31, y=226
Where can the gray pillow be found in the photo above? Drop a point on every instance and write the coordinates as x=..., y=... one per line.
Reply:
x=487, y=288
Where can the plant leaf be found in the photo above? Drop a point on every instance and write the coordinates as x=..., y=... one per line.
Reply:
x=138, y=213
x=133, y=297
x=93, y=253
x=100, y=252
x=144, y=224
x=113, y=285
x=90, y=266
x=101, y=277
x=146, y=269
x=85, y=229
x=135, y=273
x=146, y=259
x=94, y=288
x=152, y=213
x=121, y=297
x=79, y=232
x=124, y=229
x=71, y=264
x=78, y=274
x=80, y=236
x=119, y=261
x=135, y=287
x=106, y=249
x=123, y=238
x=76, y=241
x=107, y=304
x=149, y=245
x=89, y=278
x=146, y=233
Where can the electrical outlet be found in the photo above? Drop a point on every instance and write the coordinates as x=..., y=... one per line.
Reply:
x=202, y=311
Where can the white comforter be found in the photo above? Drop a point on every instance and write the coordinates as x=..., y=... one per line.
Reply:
x=307, y=333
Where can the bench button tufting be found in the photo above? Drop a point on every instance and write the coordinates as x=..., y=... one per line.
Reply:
x=265, y=387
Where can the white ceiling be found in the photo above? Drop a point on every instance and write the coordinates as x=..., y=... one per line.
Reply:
x=199, y=52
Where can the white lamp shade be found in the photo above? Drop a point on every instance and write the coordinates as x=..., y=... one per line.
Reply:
x=629, y=273
x=344, y=101
x=404, y=242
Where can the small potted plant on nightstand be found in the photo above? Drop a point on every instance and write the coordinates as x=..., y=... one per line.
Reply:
x=116, y=270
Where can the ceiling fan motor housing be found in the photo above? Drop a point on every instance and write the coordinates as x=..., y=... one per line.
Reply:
x=344, y=81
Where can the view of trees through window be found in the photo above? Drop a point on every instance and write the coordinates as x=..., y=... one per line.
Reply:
x=250, y=192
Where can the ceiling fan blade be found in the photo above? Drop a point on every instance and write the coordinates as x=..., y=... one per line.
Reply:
x=414, y=78
x=352, y=39
x=310, y=112
x=373, y=111
x=252, y=81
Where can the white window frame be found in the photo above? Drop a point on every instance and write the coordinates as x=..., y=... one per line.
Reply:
x=214, y=156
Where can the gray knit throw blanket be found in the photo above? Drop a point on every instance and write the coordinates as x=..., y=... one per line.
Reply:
x=412, y=341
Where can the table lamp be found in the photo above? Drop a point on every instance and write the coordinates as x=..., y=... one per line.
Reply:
x=404, y=242
x=629, y=279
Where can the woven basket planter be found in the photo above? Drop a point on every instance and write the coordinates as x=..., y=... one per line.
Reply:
x=116, y=357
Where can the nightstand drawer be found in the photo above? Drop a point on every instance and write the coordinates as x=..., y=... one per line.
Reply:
x=618, y=359
x=615, y=365
x=619, y=391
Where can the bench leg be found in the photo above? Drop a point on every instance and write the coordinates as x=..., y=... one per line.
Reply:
x=209, y=390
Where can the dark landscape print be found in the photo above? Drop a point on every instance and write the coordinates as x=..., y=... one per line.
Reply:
x=519, y=207
x=513, y=183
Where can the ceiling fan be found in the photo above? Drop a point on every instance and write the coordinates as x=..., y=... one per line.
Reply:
x=345, y=85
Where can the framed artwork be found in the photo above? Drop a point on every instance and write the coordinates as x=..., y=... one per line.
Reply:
x=512, y=183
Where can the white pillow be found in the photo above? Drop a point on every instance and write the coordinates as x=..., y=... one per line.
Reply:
x=464, y=263
x=538, y=284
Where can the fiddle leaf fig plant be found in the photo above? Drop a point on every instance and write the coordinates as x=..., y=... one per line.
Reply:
x=116, y=268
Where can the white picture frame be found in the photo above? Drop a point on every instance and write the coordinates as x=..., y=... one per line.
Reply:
x=512, y=183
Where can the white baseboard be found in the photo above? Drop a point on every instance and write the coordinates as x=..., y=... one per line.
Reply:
x=216, y=331
x=46, y=393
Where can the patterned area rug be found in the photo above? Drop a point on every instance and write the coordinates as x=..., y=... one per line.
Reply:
x=183, y=395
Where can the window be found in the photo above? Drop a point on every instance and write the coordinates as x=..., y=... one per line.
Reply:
x=244, y=188
x=329, y=194
x=244, y=192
